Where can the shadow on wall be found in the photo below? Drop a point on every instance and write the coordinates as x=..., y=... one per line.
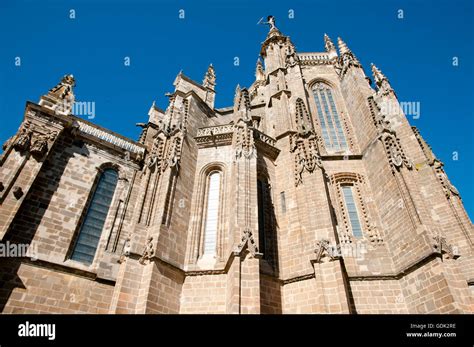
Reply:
x=270, y=288
x=31, y=212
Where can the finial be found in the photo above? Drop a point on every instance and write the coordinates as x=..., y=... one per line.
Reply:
x=328, y=44
x=69, y=79
x=382, y=83
x=259, y=73
x=343, y=49
x=209, y=78
x=378, y=75
x=61, y=97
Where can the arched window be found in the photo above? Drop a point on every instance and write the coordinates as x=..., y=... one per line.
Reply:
x=94, y=220
x=353, y=214
x=212, y=213
x=331, y=128
x=352, y=211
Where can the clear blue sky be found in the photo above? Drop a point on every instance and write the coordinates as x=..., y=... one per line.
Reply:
x=415, y=53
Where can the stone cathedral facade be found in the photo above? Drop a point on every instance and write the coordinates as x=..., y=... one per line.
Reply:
x=307, y=195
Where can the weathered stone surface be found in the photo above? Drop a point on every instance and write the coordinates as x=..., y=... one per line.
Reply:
x=284, y=238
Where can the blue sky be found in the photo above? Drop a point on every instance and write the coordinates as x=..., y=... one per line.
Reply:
x=416, y=54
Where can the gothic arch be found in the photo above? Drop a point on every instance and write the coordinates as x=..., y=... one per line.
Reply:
x=329, y=116
x=351, y=186
x=316, y=80
x=107, y=181
x=200, y=211
x=303, y=121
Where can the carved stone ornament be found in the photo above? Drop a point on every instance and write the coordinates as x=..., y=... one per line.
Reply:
x=307, y=158
x=325, y=252
x=22, y=143
x=155, y=157
x=210, y=78
x=448, y=188
x=39, y=146
x=446, y=250
x=244, y=141
x=148, y=252
x=248, y=240
x=328, y=44
x=126, y=250
x=382, y=83
x=395, y=153
x=291, y=56
x=346, y=60
x=174, y=152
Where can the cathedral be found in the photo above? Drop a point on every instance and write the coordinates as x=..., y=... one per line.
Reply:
x=311, y=193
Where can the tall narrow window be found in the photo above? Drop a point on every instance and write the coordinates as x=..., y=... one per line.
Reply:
x=331, y=128
x=352, y=211
x=261, y=200
x=283, y=202
x=91, y=228
x=212, y=214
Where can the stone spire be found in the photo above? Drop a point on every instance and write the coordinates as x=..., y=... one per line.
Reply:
x=328, y=43
x=61, y=98
x=210, y=78
x=378, y=75
x=343, y=49
x=382, y=83
x=241, y=104
x=330, y=48
x=259, y=72
x=346, y=60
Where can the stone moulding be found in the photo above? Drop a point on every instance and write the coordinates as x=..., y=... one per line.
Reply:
x=371, y=232
x=315, y=58
x=220, y=135
x=266, y=144
x=215, y=130
x=105, y=136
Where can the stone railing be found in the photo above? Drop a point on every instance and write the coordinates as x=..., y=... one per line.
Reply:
x=316, y=58
x=215, y=130
x=264, y=138
x=110, y=138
